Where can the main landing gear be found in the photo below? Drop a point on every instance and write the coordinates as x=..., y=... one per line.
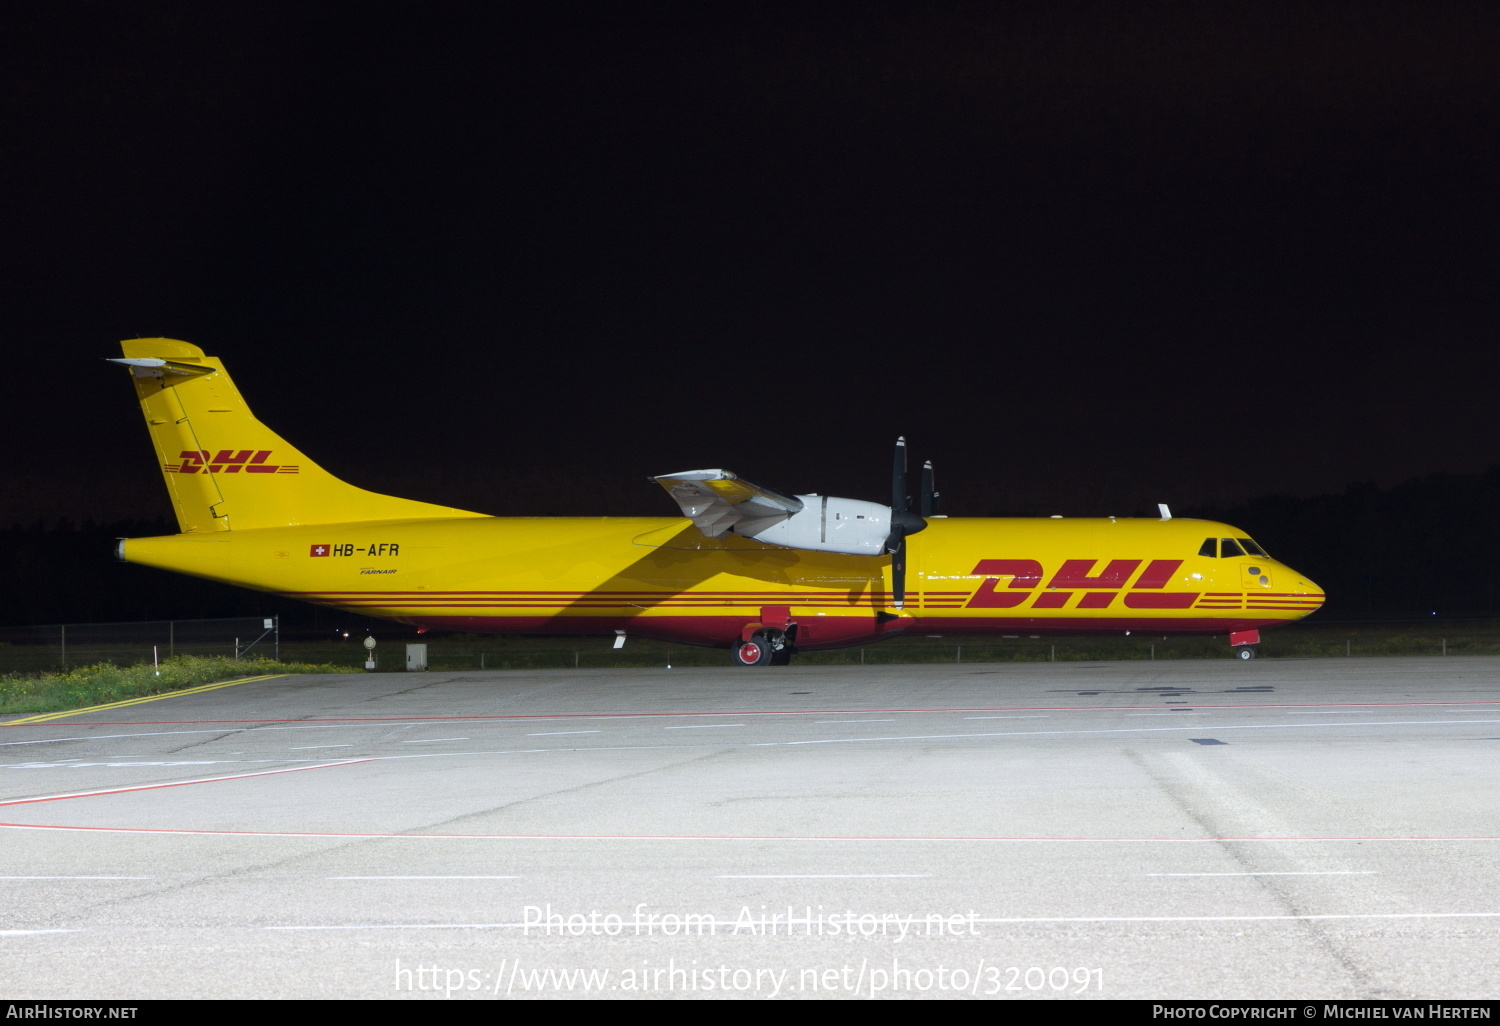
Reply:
x=765, y=648
x=1245, y=652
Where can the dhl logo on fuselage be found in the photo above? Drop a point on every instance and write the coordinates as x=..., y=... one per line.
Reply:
x=1099, y=590
x=1077, y=575
x=228, y=461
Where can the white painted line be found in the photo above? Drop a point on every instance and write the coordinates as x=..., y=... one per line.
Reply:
x=1019, y=920
x=107, y=737
x=1157, y=713
x=308, y=748
x=30, y=933
x=826, y=876
x=424, y=878
x=736, y=839
x=559, y=733
x=1007, y=717
x=702, y=726
x=178, y=783
x=407, y=926
x=78, y=764
x=431, y=740
x=77, y=878
x=1122, y=730
x=854, y=721
x=1335, y=712
x=1248, y=919
x=1293, y=872
x=221, y=730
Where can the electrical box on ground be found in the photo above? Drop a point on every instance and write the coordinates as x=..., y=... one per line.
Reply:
x=416, y=657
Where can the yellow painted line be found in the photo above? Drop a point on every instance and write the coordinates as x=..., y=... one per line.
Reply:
x=49, y=717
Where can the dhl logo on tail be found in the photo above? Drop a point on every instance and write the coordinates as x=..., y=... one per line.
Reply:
x=228, y=461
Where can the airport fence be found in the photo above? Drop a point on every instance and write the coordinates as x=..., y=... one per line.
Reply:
x=59, y=646
x=454, y=652
x=56, y=646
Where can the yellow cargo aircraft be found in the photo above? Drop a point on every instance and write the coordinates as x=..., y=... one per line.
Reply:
x=744, y=568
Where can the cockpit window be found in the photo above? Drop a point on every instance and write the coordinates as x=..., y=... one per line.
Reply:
x=1229, y=547
x=1254, y=549
x=1210, y=548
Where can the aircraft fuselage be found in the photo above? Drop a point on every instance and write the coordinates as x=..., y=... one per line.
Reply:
x=661, y=578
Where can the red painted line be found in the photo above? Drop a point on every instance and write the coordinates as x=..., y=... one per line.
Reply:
x=178, y=783
x=566, y=595
x=742, y=712
x=739, y=837
x=400, y=604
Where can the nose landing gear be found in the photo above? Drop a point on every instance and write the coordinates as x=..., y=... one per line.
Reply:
x=1244, y=643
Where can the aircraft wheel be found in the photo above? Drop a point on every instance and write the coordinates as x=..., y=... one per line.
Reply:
x=1245, y=652
x=755, y=652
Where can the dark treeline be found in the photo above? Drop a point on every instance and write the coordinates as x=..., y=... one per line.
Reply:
x=66, y=572
x=1424, y=546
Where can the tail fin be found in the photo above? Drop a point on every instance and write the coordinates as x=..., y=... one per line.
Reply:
x=226, y=469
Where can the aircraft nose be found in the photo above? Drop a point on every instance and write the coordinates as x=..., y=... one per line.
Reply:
x=1305, y=593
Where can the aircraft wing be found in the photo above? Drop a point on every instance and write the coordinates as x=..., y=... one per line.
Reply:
x=717, y=500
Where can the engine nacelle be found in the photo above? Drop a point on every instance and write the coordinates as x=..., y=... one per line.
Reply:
x=825, y=524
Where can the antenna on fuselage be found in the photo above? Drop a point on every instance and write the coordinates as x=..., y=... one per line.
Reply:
x=1166, y=514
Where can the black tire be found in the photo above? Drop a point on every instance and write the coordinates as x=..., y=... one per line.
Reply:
x=755, y=652
x=765, y=648
x=1245, y=652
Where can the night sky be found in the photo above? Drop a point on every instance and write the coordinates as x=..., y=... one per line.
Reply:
x=519, y=257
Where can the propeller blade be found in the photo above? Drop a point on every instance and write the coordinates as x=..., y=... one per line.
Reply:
x=928, y=504
x=900, y=501
x=898, y=575
x=903, y=521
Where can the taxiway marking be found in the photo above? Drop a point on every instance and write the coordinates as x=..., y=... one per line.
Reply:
x=176, y=783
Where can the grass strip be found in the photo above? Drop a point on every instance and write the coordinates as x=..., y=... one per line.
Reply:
x=105, y=682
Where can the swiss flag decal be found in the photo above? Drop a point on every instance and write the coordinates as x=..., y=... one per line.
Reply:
x=318, y=550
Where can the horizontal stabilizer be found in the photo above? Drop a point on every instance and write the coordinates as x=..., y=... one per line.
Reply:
x=147, y=367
